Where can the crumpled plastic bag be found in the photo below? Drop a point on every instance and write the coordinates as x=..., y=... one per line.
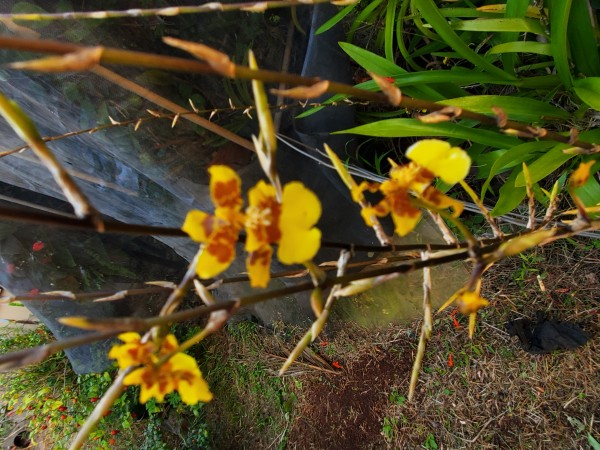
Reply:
x=545, y=335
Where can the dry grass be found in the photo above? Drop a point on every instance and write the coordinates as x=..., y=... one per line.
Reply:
x=493, y=395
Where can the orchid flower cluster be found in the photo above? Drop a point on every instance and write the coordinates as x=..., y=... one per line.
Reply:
x=289, y=223
x=157, y=377
x=412, y=183
x=409, y=189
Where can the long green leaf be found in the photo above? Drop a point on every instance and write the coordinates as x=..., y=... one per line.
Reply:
x=553, y=159
x=518, y=108
x=559, y=18
x=538, y=48
x=499, y=25
x=414, y=127
x=400, y=36
x=593, y=442
x=460, y=12
x=362, y=17
x=370, y=61
x=588, y=90
x=545, y=164
x=381, y=66
x=582, y=41
x=513, y=157
x=443, y=29
x=336, y=19
x=510, y=195
x=390, y=18
x=514, y=9
x=589, y=193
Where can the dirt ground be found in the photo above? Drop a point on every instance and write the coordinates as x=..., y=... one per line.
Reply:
x=485, y=393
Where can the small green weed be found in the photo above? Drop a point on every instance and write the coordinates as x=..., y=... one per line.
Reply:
x=396, y=398
x=390, y=428
x=430, y=443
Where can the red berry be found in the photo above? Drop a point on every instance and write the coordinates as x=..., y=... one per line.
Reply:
x=62, y=408
x=63, y=417
x=107, y=413
x=43, y=427
x=112, y=441
x=37, y=246
x=29, y=408
x=114, y=432
x=134, y=415
x=94, y=399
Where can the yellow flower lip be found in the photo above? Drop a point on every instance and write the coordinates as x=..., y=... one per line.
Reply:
x=451, y=164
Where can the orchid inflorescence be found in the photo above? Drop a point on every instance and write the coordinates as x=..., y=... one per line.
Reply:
x=285, y=216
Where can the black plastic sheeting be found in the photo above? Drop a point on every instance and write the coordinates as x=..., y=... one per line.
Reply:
x=545, y=335
x=154, y=175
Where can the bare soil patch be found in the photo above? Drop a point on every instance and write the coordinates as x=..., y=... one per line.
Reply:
x=347, y=409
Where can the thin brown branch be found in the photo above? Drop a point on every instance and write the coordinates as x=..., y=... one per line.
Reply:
x=173, y=107
x=140, y=59
x=34, y=355
x=125, y=228
x=108, y=399
x=170, y=11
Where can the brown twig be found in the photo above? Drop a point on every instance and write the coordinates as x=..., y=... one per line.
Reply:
x=140, y=59
x=173, y=107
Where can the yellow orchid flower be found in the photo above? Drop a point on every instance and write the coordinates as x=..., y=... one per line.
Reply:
x=468, y=302
x=396, y=202
x=290, y=224
x=449, y=163
x=132, y=352
x=179, y=373
x=430, y=158
x=218, y=232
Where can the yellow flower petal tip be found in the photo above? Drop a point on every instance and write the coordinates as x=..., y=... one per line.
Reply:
x=470, y=302
x=225, y=187
x=580, y=176
x=451, y=164
x=77, y=322
x=300, y=211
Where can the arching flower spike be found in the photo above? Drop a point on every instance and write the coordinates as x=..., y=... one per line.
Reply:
x=218, y=232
